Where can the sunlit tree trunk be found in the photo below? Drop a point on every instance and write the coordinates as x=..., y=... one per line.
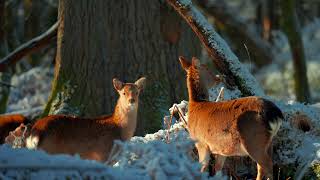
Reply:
x=100, y=40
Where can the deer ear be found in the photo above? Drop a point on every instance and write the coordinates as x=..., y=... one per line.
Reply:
x=196, y=62
x=184, y=63
x=141, y=83
x=118, y=85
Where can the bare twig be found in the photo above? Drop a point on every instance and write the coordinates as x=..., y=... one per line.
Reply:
x=29, y=47
x=220, y=96
x=19, y=140
x=224, y=59
x=169, y=122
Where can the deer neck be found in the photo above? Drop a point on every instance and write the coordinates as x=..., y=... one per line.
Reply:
x=197, y=92
x=126, y=119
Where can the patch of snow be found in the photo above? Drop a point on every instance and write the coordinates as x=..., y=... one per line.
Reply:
x=27, y=164
x=32, y=89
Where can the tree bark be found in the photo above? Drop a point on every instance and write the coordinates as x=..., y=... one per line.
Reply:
x=2, y=8
x=100, y=40
x=32, y=25
x=5, y=77
x=224, y=59
x=291, y=27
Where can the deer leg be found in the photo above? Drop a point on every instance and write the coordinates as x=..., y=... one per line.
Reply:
x=219, y=162
x=204, y=155
x=264, y=167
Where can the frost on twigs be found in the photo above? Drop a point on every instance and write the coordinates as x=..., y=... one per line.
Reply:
x=158, y=159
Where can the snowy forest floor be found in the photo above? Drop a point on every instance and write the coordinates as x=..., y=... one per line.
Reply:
x=296, y=146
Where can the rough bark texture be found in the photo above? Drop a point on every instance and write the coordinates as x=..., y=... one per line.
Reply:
x=238, y=31
x=5, y=77
x=2, y=8
x=100, y=40
x=291, y=27
x=224, y=59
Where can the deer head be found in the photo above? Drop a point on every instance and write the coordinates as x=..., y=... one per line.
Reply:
x=129, y=92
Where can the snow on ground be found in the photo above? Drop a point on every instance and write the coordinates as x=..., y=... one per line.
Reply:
x=29, y=164
x=31, y=90
x=151, y=156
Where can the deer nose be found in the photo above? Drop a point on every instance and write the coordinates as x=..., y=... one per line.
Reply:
x=131, y=101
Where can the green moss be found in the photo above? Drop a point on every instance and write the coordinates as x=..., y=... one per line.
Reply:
x=155, y=102
x=314, y=172
x=60, y=99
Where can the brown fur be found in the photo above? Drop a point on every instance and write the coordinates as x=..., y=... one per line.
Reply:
x=238, y=127
x=9, y=123
x=91, y=138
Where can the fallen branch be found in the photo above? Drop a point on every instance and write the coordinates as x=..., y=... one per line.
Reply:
x=239, y=31
x=224, y=59
x=29, y=47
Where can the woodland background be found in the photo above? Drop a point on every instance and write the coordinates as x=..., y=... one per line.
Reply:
x=60, y=56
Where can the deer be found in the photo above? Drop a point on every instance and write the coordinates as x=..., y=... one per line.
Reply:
x=90, y=138
x=10, y=122
x=239, y=127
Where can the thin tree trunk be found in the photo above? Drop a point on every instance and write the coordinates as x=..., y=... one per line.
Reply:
x=2, y=15
x=32, y=25
x=291, y=27
x=100, y=40
x=5, y=77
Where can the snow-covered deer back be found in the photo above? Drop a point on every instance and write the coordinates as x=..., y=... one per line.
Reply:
x=240, y=127
x=91, y=138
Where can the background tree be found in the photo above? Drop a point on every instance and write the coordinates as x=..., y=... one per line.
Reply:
x=291, y=27
x=99, y=40
x=5, y=77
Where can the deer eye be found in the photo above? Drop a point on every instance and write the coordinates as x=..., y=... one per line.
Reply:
x=124, y=93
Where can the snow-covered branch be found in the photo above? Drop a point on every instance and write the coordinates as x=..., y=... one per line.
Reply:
x=28, y=47
x=239, y=31
x=224, y=59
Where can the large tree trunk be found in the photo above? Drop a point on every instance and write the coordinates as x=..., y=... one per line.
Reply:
x=291, y=27
x=99, y=40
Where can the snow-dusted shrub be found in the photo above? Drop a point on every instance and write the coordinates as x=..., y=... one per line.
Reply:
x=31, y=90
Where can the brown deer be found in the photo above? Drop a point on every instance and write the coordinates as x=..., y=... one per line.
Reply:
x=90, y=138
x=240, y=127
x=9, y=123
